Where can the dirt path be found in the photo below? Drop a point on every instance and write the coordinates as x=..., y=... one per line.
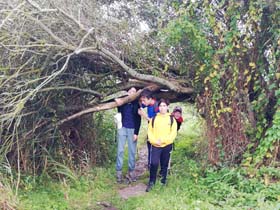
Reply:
x=128, y=190
x=141, y=163
x=136, y=189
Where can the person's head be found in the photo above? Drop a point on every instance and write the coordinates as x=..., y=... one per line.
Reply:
x=131, y=91
x=177, y=112
x=163, y=106
x=146, y=97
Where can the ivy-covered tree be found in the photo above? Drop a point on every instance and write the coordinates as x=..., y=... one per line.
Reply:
x=235, y=49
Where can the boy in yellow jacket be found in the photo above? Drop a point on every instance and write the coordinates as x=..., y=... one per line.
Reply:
x=161, y=133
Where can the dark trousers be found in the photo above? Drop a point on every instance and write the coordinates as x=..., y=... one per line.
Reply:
x=149, y=153
x=159, y=155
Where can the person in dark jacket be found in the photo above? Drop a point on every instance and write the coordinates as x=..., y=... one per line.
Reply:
x=131, y=121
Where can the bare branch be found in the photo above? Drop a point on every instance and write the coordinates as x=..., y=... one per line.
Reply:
x=10, y=14
x=78, y=50
x=35, y=5
x=106, y=106
x=56, y=38
x=95, y=93
x=73, y=19
x=101, y=107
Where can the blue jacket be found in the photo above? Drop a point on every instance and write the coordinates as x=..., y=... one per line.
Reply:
x=130, y=116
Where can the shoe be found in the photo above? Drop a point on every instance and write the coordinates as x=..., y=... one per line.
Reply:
x=163, y=183
x=132, y=176
x=119, y=176
x=150, y=186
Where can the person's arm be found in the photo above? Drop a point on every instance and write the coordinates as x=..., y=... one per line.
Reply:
x=151, y=135
x=143, y=114
x=137, y=123
x=178, y=125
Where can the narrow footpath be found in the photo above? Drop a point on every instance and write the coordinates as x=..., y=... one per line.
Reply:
x=131, y=189
x=136, y=189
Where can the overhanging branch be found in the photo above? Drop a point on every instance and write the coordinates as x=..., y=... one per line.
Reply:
x=101, y=107
x=143, y=77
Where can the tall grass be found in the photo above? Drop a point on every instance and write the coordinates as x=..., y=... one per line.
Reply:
x=8, y=197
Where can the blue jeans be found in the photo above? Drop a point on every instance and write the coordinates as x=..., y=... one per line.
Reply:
x=123, y=135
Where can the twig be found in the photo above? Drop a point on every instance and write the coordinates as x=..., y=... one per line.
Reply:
x=95, y=93
x=10, y=14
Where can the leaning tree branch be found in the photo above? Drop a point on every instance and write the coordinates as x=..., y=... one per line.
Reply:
x=106, y=106
x=101, y=107
x=148, y=78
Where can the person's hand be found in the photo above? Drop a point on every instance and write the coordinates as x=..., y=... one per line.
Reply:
x=140, y=111
x=118, y=101
x=143, y=114
x=158, y=143
x=135, y=137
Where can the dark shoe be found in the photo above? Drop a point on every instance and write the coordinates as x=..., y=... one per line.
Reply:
x=163, y=181
x=160, y=174
x=132, y=176
x=150, y=186
x=163, y=184
x=119, y=177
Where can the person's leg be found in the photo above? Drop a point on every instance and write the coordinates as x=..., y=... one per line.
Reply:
x=132, y=148
x=120, y=152
x=149, y=153
x=169, y=163
x=155, y=157
x=164, y=160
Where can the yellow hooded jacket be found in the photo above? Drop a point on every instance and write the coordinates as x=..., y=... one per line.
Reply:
x=162, y=130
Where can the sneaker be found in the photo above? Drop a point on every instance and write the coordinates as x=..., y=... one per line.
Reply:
x=163, y=183
x=149, y=186
x=119, y=176
x=132, y=176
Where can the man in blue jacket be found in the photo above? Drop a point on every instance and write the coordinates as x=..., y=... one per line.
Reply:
x=131, y=121
x=151, y=103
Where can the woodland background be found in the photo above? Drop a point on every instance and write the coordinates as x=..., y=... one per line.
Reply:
x=63, y=62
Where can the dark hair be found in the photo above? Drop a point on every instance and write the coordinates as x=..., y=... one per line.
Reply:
x=162, y=100
x=177, y=109
x=146, y=93
x=130, y=88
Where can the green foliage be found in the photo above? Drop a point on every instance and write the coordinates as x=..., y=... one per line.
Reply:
x=266, y=148
x=106, y=134
x=192, y=183
x=228, y=51
x=8, y=197
x=235, y=48
x=45, y=193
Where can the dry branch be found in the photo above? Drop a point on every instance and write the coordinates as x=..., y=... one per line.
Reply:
x=106, y=106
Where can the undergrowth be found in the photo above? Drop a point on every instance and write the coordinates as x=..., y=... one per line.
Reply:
x=192, y=183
